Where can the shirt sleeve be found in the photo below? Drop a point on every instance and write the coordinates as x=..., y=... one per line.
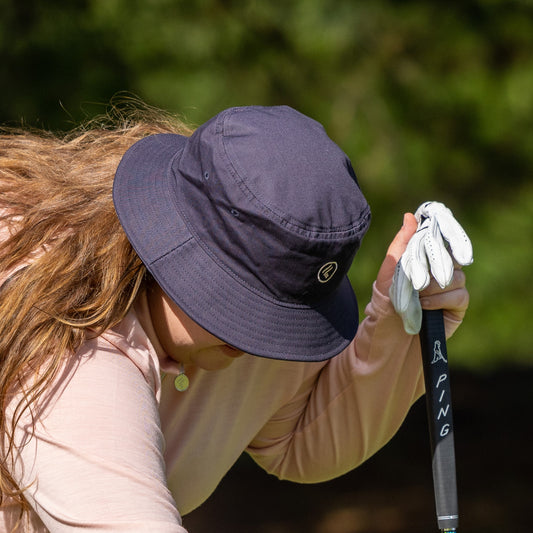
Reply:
x=95, y=459
x=351, y=407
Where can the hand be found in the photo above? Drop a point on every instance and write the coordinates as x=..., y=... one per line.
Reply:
x=439, y=244
x=453, y=299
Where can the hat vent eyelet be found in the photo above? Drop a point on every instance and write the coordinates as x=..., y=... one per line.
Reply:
x=234, y=212
x=206, y=175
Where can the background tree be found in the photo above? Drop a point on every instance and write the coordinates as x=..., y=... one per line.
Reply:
x=432, y=100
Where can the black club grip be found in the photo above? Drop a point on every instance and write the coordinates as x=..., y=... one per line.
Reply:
x=439, y=411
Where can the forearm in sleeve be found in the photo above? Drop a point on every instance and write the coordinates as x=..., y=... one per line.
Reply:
x=354, y=406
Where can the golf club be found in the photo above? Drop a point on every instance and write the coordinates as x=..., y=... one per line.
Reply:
x=439, y=411
x=438, y=244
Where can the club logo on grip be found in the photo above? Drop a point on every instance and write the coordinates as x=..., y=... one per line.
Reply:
x=437, y=353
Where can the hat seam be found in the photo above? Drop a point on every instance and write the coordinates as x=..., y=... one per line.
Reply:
x=310, y=232
x=294, y=225
x=313, y=232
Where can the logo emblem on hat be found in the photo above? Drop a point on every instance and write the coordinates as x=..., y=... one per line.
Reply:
x=327, y=271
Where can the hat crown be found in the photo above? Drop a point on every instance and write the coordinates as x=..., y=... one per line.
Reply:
x=272, y=200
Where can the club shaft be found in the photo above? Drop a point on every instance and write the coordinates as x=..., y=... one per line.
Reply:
x=440, y=421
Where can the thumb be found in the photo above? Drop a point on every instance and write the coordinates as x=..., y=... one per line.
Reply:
x=399, y=244
x=395, y=251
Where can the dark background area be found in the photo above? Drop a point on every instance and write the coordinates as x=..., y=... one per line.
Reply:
x=432, y=100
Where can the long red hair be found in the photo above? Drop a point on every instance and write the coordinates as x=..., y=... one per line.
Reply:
x=82, y=274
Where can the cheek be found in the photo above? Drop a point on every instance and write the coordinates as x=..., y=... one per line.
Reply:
x=171, y=330
x=182, y=330
x=168, y=329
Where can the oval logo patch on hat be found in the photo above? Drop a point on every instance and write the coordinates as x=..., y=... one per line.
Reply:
x=327, y=271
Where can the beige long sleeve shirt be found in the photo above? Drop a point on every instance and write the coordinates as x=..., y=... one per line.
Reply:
x=117, y=448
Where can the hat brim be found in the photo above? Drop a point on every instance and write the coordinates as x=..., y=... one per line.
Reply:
x=213, y=296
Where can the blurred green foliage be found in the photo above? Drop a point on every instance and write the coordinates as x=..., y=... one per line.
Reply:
x=432, y=100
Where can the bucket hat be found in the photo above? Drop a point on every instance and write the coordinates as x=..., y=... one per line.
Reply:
x=250, y=226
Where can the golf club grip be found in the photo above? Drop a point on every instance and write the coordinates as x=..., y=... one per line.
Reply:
x=439, y=411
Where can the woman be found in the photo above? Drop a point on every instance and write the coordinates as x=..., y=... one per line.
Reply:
x=170, y=300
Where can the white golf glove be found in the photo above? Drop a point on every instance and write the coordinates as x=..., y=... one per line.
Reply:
x=438, y=241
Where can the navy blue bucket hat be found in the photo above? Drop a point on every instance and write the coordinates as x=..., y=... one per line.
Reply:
x=250, y=226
